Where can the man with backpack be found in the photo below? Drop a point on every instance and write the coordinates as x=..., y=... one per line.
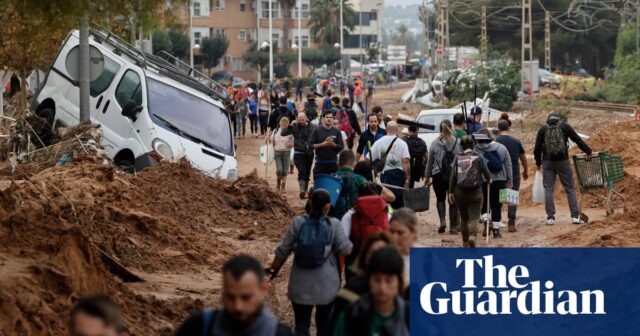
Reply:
x=244, y=290
x=465, y=189
x=317, y=240
x=552, y=157
x=419, y=155
x=369, y=137
x=496, y=157
x=350, y=183
x=391, y=158
x=311, y=108
x=516, y=152
x=302, y=129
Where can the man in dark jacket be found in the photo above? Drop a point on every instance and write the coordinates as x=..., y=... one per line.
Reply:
x=371, y=135
x=299, y=85
x=302, y=151
x=244, y=313
x=552, y=156
x=278, y=113
x=473, y=122
x=419, y=155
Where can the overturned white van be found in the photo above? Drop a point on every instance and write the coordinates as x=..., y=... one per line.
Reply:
x=150, y=108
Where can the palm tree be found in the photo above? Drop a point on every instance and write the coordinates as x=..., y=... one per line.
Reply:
x=325, y=20
x=286, y=6
x=403, y=35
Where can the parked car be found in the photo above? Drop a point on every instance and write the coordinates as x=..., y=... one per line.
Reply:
x=548, y=79
x=148, y=108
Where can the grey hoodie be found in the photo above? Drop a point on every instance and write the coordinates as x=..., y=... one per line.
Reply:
x=436, y=154
x=507, y=173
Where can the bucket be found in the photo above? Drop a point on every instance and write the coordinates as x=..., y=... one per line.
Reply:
x=330, y=184
x=416, y=199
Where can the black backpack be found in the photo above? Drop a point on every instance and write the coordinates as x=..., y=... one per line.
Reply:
x=417, y=150
x=447, y=160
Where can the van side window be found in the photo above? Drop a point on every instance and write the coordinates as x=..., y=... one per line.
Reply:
x=129, y=88
x=101, y=83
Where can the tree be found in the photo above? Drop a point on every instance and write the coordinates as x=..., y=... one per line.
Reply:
x=161, y=42
x=499, y=79
x=372, y=55
x=317, y=57
x=402, y=37
x=179, y=43
x=325, y=20
x=212, y=50
x=286, y=6
x=257, y=58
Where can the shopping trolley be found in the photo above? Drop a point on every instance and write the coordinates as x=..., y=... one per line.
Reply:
x=598, y=172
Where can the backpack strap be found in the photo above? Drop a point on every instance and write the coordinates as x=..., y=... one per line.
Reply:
x=390, y=146
x=207, y=319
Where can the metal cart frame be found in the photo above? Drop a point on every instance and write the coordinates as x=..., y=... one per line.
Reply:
x=599, y=172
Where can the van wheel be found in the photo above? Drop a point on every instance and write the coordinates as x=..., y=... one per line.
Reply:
x=125, y=165
x=43, y=127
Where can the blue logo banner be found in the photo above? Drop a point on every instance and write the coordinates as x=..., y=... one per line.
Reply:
x=525, y=291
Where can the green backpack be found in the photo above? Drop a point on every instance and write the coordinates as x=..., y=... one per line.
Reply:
x=555, y=144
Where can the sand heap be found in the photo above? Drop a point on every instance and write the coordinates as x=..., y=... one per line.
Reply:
x=53, y=225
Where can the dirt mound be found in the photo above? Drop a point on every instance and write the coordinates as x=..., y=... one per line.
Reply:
x=54, y=224
x=621, y=138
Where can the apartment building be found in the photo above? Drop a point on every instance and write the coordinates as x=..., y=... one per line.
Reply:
x=367, y=32
x=245, y=23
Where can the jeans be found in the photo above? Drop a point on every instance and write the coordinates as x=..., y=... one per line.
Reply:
x=327, y=168
x=302, y=317
x=511, y=211
x=562, y=169
x=282, y=162
x=262, y=117
x=394, y=177
x=494, y=200
x=468, y=203
x=298, y=94
x=303, y=163
x=253, y=123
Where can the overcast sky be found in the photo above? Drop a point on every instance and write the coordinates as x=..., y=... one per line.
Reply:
x=402, y=2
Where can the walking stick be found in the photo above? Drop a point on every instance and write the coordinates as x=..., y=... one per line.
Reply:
x=488, y=210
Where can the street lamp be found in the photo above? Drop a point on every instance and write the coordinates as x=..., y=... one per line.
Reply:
x=264, y=45
x=338, y=46
x=341, y=38
x=294, y=46
x=299, y=38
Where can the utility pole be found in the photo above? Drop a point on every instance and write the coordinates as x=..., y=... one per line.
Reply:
x=342, y=65
x=527, y=52
x=300, y=38
x=638, y=27
x=191, y=34
x=424, y=17
x=83, y=69
x=484, y=39
x=547, y=41
x=270, y=44
x=443, y=30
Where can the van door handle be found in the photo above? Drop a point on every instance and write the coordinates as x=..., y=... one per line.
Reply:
x=106, y=105
x=99, y=102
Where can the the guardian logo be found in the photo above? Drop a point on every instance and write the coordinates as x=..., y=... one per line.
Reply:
x=501, y=291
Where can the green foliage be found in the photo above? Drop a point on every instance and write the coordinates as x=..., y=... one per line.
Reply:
x=324, y=20
x=161, y=42
x=500, y=80
x=213, y=49
x=626, y=43
x=317, y=57
x=282, y=63
x=372, y=55
x=257, y=58
x=179, y=43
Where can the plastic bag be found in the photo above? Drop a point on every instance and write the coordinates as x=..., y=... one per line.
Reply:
x=356, y=109
x=266, y=154
x=538, y=188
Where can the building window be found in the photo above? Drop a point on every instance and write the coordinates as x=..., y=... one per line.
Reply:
x=197, y=37
x=243, y=5
x=305, y=41
x=237, y=64
x=219, y=32
x=220, y=5
x=276, y=40
x=275, y=9
x=242, y=35
x=304, y=11
x=374, y=16
x=364, y=19
x=196, y=8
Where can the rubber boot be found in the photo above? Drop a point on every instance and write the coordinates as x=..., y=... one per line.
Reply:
x=496, y=231
x=454, y=225
x=303, y=188
x=441, y=206
x=512, y=225
x=465, y=244
x=283, y=184
x=484, y=230
x=278, y=183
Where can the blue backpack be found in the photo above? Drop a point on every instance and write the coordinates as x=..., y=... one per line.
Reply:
x=313, y=239
x=494, y=163
x=347, y=198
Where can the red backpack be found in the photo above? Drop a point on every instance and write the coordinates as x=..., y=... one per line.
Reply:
x=345, y=122
x=371, y=215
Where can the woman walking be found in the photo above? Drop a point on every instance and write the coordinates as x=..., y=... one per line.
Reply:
x=263, y=111
x=465, y=189
x=317, y=240
x=403, y=226
x=439, y=166
x=253, y=114
x=282, y=144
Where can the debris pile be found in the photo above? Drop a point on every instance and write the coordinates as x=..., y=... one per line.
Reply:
x=62, y=230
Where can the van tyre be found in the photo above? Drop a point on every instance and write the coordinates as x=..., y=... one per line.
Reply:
x=126, y=165
x=43, y=127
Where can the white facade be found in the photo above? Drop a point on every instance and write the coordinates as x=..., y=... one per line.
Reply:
x=367, y=29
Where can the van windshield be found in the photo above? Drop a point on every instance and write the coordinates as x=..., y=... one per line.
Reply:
x=435, y=120
x=189, y=116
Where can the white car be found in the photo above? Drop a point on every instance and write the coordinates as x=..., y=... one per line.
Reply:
x=148, y=108
x=433, y=117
